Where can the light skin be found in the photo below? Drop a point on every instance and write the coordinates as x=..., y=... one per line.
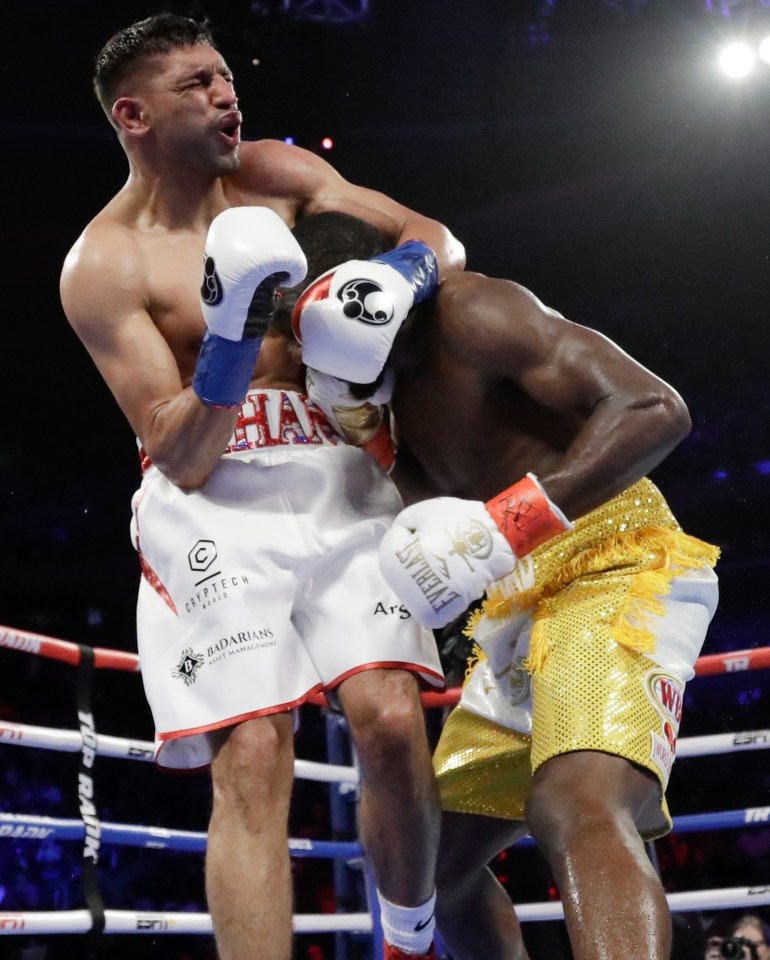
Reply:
x=130, y=289
x=490, y=386
x=752, y=932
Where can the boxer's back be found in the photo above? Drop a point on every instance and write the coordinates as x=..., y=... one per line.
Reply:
x=471, y=427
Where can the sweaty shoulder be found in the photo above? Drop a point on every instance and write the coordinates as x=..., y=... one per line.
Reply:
x=103, y=271
x=476, y=312
x=277, y=169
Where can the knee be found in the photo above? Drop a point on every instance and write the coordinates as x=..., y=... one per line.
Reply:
x=562, y=813
x=253, y=761
x=388, y=728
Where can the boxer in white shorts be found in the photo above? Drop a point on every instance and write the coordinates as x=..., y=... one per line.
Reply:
x=264, y=586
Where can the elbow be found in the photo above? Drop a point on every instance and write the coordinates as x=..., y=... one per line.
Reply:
x=179, y=471
x=679, y=417
x=453, y=260
x=188, y=480
x=671, y=417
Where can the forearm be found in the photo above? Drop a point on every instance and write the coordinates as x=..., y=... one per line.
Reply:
x=185, y=438
x=619, y=444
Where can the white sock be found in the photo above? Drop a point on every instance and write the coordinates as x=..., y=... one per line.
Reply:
x=408, y=928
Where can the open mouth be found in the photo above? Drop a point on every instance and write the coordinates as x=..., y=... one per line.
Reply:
x=230, y=129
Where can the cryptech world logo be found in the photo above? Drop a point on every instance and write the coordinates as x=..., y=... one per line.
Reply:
x=212, y=587
x=202, y=555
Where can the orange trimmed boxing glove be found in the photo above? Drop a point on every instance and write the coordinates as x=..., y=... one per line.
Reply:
x=363, y=423
x=441, y=555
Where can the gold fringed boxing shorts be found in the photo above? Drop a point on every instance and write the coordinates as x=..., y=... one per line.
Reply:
x=587, y=647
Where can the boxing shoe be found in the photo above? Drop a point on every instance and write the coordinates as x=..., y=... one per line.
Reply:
x=393, y=953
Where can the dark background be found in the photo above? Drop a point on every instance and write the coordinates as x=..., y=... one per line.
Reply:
x=589, y=149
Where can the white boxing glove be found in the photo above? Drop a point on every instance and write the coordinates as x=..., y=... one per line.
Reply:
x=441, y=555
x=363, y=423
x=348, y=318
x=250, y=252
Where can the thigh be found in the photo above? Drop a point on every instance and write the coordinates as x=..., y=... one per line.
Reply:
x=349, y=617
x=216, y=642
x=594, y=694
x=469, y=842
x=482, y=767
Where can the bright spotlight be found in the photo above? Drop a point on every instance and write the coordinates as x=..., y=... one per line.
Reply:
x=764, y=49
x=737, y=60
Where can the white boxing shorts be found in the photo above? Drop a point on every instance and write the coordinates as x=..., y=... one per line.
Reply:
x=263, y=587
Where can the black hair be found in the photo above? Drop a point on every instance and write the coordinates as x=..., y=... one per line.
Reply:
x=152, y=37
x=330, y=238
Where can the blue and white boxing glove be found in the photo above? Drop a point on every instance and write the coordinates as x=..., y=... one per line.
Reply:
x=250, y=252
x=348, y=318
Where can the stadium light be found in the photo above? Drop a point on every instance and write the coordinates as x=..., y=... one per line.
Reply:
x=737, y=60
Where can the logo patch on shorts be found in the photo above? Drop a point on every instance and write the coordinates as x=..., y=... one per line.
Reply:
x=188, y=666
x=665, y=692
x=519, y=682
x=202, y=555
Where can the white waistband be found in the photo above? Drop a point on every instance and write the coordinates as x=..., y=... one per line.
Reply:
x=273, y=418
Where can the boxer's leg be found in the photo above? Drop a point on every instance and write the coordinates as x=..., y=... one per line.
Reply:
x=248, y=878
x=582, y=811
x=475, y=916
x=399, y=818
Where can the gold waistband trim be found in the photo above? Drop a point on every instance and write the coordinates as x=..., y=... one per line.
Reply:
x=635, y=533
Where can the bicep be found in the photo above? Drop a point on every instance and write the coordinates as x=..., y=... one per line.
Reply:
x=115, y=327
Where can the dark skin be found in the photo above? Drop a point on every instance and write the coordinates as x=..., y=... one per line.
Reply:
x=528, y=391
x=491, y=385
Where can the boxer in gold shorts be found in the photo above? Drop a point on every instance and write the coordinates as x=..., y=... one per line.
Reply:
x=595, y=602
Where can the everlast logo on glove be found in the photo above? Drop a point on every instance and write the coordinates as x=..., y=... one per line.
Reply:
x=468, y=540
x=431, y=583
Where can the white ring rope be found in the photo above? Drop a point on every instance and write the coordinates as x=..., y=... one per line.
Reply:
x=138, y=921
x=127, y=921
x=70, y=741
x=131, y=921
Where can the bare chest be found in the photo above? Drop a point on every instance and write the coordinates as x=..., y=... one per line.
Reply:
x=175, y=272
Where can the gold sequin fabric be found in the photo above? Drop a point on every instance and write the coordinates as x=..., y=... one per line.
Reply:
x=482, y=767
x=593, y=687
x=634, y=537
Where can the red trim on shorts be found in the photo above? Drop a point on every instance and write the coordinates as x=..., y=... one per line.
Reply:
x=232, y=721
x=147, y=572
x=426, y=675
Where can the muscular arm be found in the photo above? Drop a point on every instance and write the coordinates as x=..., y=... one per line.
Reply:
x=104, y=295
x=630, y=418
x=312, y=185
